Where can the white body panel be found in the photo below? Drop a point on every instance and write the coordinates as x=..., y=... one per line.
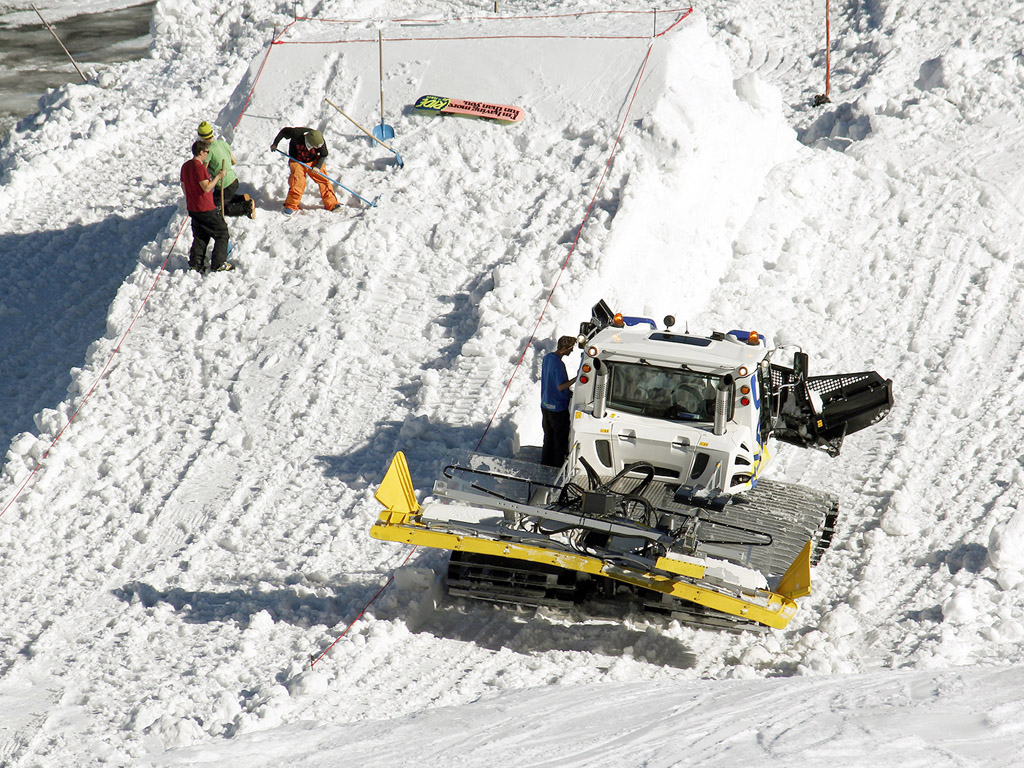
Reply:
x=670, y=427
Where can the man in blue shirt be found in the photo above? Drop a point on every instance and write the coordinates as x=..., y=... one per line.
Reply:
x=555, y=397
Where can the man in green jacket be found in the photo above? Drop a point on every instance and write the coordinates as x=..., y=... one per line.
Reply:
x=226, y=195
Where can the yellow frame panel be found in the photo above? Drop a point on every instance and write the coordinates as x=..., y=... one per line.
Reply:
x=399, y=523
x=777, y=610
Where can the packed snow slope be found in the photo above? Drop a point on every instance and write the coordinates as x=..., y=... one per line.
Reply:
x=200, y=530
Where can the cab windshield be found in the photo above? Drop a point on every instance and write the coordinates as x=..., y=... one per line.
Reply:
x=661, y=393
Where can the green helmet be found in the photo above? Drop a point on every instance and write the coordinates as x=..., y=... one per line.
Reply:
x=314, y=139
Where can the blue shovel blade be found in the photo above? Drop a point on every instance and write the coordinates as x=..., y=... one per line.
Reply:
x=383, y=132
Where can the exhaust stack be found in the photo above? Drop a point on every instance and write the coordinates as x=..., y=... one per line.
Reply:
x=722, y=396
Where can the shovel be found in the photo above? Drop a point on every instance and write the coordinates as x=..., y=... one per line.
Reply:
x=398, y=157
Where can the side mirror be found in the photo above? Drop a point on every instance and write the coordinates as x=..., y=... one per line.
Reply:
x=800, y=366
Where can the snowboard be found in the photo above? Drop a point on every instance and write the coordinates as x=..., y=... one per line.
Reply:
x=447, y=106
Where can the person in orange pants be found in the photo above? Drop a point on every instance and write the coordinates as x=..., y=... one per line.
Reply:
x=307, y=146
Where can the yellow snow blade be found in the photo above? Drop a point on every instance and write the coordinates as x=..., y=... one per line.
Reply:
x=797, y=580
x=396, y=492
x=399, y=523
x=694, y=570
x=762, y=606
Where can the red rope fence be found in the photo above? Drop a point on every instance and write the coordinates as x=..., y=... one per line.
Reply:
x=263, y=64
x=573, y=15
x=314, y=659
x=681, y=13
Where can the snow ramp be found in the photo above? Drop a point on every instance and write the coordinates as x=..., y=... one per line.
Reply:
x=506, y=203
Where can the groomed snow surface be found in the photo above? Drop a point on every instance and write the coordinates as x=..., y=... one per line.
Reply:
x=200, y=530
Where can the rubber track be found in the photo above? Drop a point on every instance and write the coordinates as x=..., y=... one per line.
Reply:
x=791, y=514
x=522, y=583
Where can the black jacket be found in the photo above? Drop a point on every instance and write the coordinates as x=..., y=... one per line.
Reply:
x=297, y=148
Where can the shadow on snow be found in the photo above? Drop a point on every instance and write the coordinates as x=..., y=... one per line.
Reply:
x=239, y=605
x=57, y=288
x=425, y=443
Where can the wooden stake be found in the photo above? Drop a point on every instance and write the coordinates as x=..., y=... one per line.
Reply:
x=84, y=78
x=380, y=60
x=828, y=51
x=823, y=98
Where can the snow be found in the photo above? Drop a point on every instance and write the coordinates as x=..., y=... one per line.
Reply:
x=190, y=466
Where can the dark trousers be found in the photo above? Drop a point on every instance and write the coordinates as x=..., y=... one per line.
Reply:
x=556, y=437
x=233, y=203
x=206, y=225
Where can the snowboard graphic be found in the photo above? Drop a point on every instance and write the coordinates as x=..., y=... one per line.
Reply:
x=445, y=105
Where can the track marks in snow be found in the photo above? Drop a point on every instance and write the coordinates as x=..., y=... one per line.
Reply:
x=923, y=496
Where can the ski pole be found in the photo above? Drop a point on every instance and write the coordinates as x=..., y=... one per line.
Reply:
x=357, y=125
x=335, y=181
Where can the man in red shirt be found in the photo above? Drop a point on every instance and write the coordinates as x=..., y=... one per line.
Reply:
x=207, y=220
x=307, y=146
